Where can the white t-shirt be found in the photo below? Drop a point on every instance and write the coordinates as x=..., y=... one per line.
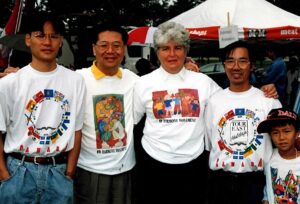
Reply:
x=174, y=105
x=283, y=179
x=40, y=111
x=232, y=138
x=107, y=134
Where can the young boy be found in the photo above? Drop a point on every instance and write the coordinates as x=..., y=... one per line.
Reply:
x=283, y=170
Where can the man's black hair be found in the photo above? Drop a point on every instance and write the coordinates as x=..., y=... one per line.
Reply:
x=225, y=52
x=109, y=27
x=36, y=21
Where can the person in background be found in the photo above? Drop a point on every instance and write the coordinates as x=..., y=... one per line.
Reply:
x=144, y=66
x=292, y=81
x=107, y=157
x=283, y=170
x=276, y=73
x=237, y=151
x=41, y=111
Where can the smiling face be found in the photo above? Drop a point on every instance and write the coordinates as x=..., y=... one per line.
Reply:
x=284, y=138
x=172, y=56
x=238, y=69
x=109, y=51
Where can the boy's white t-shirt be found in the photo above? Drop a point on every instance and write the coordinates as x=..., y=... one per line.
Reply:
x=40, y=111
x=107, y=134
x=282, y=179
x=232, y=138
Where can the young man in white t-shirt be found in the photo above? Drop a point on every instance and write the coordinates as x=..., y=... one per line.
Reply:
x=237, y=151
x=41, y=111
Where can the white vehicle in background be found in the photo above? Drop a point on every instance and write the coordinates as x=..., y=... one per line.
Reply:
x=137, y=51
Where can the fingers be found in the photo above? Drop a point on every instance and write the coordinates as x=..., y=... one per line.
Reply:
x=9, y=70
x=2, y=74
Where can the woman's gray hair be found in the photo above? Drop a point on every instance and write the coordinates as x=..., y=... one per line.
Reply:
x=171, y=31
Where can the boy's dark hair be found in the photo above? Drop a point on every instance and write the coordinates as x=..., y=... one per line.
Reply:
x=109, y=27
x=279, y=117
x=226, y=51
x=36, y=21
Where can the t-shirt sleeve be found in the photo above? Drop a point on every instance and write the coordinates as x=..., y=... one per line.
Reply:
x=3, y=109
x=208, y=125
x=138, y=106
x=81, y=104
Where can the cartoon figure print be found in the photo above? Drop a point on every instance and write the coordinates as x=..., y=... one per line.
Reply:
x=286, y=190
x=109, y=121
x=178, y=103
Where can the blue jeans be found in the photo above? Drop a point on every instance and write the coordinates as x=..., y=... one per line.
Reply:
x=35, y=183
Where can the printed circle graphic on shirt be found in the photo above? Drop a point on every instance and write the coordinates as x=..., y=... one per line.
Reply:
x=47, y=114
x=243, y=139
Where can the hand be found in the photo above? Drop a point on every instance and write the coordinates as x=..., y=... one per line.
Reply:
x=265, y=202
x=70, y=175
x=192, y=66
x=270, y=91
x=9, y=70
x=4, y=175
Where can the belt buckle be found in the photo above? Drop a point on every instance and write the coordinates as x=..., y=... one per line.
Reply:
x=34, y=160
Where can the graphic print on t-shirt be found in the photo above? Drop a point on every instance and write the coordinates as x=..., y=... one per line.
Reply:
x=238, y=135
x=47, y=114
x=109, y=123
x=286, y=189
x=181, y=102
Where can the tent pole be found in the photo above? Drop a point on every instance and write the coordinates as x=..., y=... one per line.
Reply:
x=228, y=19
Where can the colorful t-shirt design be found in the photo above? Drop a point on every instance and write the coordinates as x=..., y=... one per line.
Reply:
x=286, y=190
x=109, y=122
x=182, y=102
x=43, y=105
x=243, y=138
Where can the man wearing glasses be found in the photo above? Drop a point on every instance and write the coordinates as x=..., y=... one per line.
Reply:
x=237, y=151
x=106, y=161
x=41, y=111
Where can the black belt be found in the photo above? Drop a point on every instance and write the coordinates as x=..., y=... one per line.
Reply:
x=257, y=175
x=57, y=159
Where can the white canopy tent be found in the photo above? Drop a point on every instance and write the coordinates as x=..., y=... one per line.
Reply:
x=243, y=13
x=255, y=18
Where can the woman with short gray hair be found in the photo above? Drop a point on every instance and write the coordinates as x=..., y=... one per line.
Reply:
x=171, y=31
x=172, y=165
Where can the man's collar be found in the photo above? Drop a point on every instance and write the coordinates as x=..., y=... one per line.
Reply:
x=98, y=74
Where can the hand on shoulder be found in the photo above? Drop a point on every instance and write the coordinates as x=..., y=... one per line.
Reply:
x=9, y=70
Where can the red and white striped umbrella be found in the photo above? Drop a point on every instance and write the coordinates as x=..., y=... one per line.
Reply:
x=143, y=35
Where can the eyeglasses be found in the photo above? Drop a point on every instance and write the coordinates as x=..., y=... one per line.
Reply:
x=42, y=36
x=242, y=63
x=104, y=46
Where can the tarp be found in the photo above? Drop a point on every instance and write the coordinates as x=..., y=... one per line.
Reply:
x=254, y=18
